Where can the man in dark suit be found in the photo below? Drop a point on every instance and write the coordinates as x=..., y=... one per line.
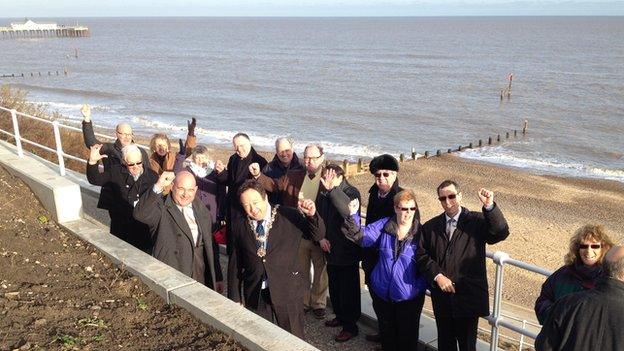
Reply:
x=126, y=183
x=112, y=151
x=452, y=256
x=234, y=175
x=181, y=228
x=264, y=257
x=385, y=168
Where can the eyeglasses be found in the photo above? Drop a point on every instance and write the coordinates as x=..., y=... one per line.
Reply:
x=450, y=197
x=134, y=164
x=384, y=174
x=593, y=246
x=405, y=209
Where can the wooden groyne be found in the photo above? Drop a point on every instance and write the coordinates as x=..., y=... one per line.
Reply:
x=63, y=72
x=361, y=167
x=31, y=29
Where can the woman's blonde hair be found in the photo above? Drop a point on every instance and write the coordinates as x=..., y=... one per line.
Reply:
x=156, y=137
x=595, y=232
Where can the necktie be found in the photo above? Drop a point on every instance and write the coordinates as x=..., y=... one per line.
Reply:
x=450, y=228
x=260, y=228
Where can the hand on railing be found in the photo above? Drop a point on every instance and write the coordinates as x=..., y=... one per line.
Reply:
x=94, y=155
x=86, y=112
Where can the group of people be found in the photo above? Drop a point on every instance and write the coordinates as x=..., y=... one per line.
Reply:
x=295, y=235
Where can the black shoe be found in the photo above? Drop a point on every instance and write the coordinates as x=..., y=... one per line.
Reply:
x=332, y=323
x=373, y=337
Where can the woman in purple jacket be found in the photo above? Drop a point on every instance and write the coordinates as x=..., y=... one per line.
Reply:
x=398, y=291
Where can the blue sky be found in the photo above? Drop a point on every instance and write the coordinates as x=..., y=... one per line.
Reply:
x=97, y=8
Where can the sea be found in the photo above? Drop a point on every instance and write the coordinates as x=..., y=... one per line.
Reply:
x=358, y=86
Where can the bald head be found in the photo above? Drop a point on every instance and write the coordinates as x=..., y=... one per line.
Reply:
x=184, y=188
x=124, y=134
x=613, y=263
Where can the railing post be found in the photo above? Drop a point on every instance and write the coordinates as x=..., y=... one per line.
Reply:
x=59, y=148
x=499, y=259
x=521, y=345
x=16, y=133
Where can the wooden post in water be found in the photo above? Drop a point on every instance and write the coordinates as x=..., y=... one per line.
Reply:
x=526, y=126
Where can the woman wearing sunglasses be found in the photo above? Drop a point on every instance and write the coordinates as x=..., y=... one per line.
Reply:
x=397, y=289
x=583, y=267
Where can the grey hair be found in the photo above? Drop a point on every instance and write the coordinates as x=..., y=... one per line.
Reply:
x=614, y=269
x=128, y=149
x=290, y=141
x=200, y=150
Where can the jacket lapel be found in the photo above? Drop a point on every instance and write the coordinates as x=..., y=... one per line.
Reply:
x=178, y=218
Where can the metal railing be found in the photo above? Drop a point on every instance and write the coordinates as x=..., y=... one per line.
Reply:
x=496, y=319
x=56, y=126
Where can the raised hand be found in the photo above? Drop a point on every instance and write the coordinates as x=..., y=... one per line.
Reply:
x=191, y=126
x=307, y=207
x=94, y=154
x=181, y=146
x=219, y=166
x=328, y=179
x=165, y=179
x=486, y=197
x=254, y=169
x=354, y=206
x=86, y=112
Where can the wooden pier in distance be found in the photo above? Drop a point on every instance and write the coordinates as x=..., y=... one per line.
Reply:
x=31, y=29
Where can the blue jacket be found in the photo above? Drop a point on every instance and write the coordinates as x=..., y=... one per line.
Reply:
x=395, y=276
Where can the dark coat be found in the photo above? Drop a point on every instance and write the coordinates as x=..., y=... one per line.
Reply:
x=588, y=320
x=172, y=237
x=275, y=169
x=281, y=263
x=124, y=191
x=113, y=151
x=565, y=280
x=233, y=177
x=375, y=210
x=462, y=259
x=343, y=252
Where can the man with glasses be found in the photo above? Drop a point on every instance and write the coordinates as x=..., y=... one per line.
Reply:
x=127, y=182
x=380, y=205
x=452, y=257
x=292, y=187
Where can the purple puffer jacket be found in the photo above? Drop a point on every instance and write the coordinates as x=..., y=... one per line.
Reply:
x=393, y=278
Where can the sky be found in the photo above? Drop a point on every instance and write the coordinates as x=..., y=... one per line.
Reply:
x=311, y=8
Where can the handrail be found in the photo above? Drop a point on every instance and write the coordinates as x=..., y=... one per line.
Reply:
x=496, y=319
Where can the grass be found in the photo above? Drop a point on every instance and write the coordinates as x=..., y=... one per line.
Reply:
x=37, y=131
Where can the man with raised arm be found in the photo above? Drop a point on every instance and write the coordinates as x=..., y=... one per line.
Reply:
x=181, y=228
x=127, y=182
x=264, y=256
x=452, y=257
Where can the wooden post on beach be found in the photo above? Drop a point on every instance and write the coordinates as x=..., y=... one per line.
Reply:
x=402, y=157
x=439, y=152
x=459, y=148
x=359, y=165
x=470, y=145
x=345, y=166
x=526, y=126
x=426, y=154
x=413, y=153
x=449, y=151
x=489, y=140
x=507, y=135
x=480, y=142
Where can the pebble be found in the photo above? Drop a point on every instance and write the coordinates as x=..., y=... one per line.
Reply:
x=89, y=269
x=12, y=295
x=40, y=322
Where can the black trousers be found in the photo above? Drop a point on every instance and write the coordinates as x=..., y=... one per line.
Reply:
x=288, y=316
x=453, y=332
x=344, y=293
x=399, y=322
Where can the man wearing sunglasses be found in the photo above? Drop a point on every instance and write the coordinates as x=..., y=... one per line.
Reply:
x=452, y=256
x=127, y=182
x=380, y=205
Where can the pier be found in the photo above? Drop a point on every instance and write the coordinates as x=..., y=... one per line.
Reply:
x=31, y=29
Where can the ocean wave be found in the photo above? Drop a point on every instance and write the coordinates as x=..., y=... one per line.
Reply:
x=71, y=112
x=261, y=141
x=66, y=91
x=500, y=155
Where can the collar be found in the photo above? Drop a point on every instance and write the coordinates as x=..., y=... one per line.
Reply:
x=455, y=217
x=317, y=175
x=183, y=207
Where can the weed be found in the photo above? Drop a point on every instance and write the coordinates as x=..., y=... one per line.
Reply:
x=141, y=304
x=92, y=322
